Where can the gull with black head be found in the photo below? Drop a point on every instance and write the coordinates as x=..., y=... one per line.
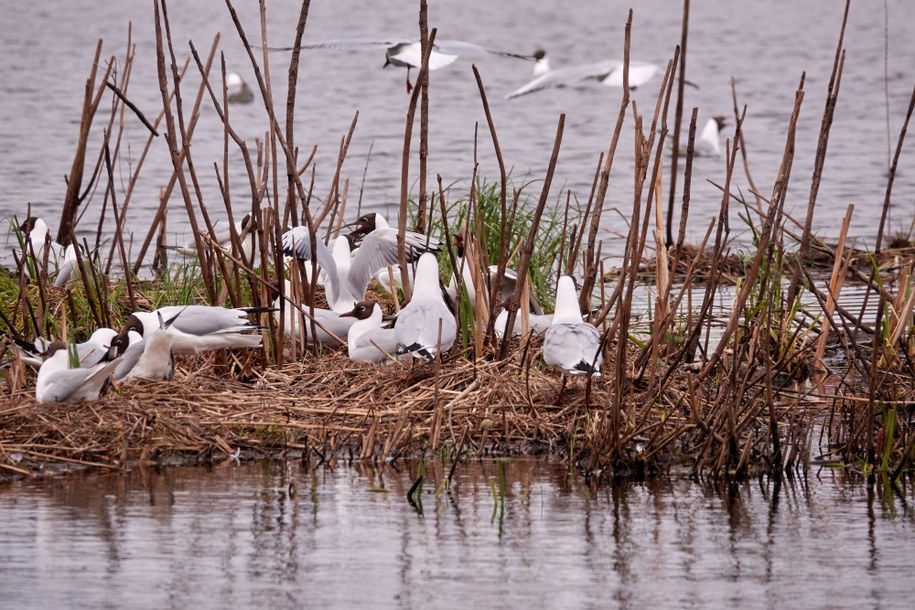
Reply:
x=200, y=328
x=368, y=340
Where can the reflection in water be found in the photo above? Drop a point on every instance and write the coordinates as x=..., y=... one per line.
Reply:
x=277, y=533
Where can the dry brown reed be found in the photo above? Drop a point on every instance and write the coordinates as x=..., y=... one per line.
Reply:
x=330, y=406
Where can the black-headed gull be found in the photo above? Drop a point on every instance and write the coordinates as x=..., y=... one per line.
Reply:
x=608, y=72
x=238, y=91
x=408, y=54
x=330, y=328
x=368, y=341
x=571, y=345
x=37, y=236
x=377, y=250
x=425, y=326
x=708, y=144
x=244, y=228
x=62, y=262
x=57, y=382
x=377, y=225
x=199, y=328
x=148, y=357
x=96, y=348
x=507, y=282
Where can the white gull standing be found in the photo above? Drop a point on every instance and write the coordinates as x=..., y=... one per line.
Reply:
x=62, y=262
x=425, y=327
x=36, y=237
x=571, y=345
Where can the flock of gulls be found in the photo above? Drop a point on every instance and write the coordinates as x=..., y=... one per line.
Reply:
x=406, y=53
x=425, y=328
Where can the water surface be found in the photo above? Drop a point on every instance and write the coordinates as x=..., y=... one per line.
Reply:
x=234, y=536
x=765, y=46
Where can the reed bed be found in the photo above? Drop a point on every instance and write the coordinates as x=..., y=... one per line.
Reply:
x=786, y=378
x=331, y=407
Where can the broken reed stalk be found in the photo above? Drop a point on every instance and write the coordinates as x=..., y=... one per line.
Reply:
x=289, y=156
x=878, y=318
x=173, y=147
x=423, y=84
x=292, y=175
x=275, y=130
x=333, y=200
x=159, y=219
x=524, y=262
x=117, y=238
x=213, y=262
x=677, y=251
x=832, y=96
x=476, y=255
x=292, y=88
x=405, y=168
x=222, y=113
x=72, y=200
x=742, y=146
x=636, y=242
x=592, y=255
x=778, y=194
x=892, y=173
x=674, y=360
x=835, y=286
x=121, y=93
x=118, y=109
x=575, y=244
x=502, y=261
x=678, y=118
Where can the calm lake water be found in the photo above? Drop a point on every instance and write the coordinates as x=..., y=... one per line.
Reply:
x=234, y=537
x=765, y=46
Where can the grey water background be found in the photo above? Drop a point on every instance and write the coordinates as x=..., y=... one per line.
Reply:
x=235, y=536
x=47, y=50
